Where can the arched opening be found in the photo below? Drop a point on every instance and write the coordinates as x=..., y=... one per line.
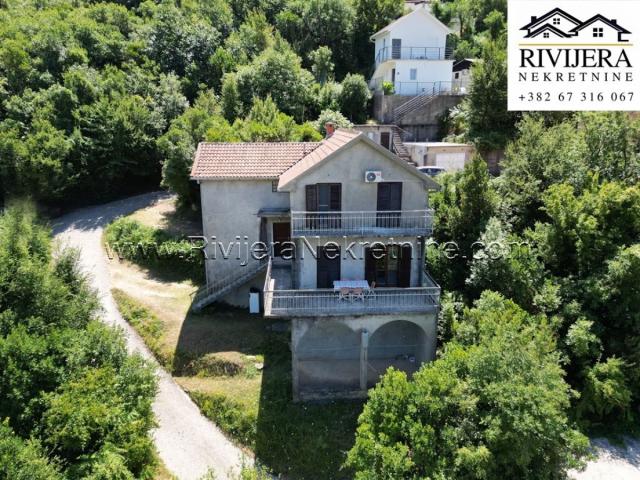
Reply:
x=400, y=344
x=328, y=358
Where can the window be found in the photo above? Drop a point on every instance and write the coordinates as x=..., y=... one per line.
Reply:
x=545, y=34
x=556, y=21
x=274, y=185
x=413, y=74
x=457, y=75
x=598, y=32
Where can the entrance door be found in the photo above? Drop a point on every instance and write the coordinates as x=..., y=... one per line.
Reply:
x=396, y=48
x=389, y=200
x=388, y=266
x=281, y=235
x=328, y=266
x=385, y=140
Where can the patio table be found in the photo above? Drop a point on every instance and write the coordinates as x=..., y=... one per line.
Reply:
x=338, y=284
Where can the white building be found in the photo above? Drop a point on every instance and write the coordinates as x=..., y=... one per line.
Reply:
x=343, y=223
x=412, y=54
x=450, y=156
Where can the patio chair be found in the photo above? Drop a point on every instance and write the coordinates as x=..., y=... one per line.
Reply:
x=345, y=294
x=357, y=294
x=371, y=290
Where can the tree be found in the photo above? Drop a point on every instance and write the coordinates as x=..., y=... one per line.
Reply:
x=463, y=207
x=354, y=98
x=277, y=72
x=322, y=66
x=490, y=124
x=494, y=405
x=70, y=390
x=339, y=120
x=370, y=17
x=509, y=265
x=24, y=460
x=179, y=144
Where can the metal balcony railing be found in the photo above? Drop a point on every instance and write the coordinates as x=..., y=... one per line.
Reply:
x=328, y=302
x=374, y=223
x=413, y=53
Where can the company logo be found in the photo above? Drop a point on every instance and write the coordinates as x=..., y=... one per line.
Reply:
x=557, y=24
x=573, y=55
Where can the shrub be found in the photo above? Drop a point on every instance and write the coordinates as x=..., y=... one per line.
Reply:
x=154, y=248
x=494, y=405
x=230, y=416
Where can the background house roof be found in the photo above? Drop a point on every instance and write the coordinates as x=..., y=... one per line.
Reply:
x=253, y=160
x=417, y=11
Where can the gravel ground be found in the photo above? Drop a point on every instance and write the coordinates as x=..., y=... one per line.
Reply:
x=188, y=443
x=612, y=462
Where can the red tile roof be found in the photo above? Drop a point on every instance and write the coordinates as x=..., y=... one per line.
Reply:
x=328, y=146
x=255, y=160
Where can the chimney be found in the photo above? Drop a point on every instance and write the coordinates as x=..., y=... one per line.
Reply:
x=533, y=19
x=614, y=21
x=329, y=128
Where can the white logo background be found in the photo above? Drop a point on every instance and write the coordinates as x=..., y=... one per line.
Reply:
x=573, y=25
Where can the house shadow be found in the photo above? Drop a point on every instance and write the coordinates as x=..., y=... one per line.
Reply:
x=300, y=440
x=296, y=440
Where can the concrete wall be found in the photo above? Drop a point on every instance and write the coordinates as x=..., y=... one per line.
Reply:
x=450, y=156
x=332, y=358
x=348, y=167
x=230, y=210
x=423, y=123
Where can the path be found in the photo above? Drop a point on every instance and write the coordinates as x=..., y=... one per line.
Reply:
x=186, y=441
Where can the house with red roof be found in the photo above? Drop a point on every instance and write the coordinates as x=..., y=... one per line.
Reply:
x=329, y=237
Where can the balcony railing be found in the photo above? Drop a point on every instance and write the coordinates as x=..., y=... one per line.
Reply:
x=413, y=53
x=455, y=87
x=328, y=302
x=374, y=223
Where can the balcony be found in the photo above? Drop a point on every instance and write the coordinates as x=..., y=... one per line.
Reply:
x=413, y=53
x=287, y=302
x=372, y=223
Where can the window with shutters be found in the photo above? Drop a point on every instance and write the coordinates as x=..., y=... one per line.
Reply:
x=326, y=199
x=389, y=204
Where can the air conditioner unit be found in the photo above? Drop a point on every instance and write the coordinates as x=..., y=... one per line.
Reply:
x=373, y=176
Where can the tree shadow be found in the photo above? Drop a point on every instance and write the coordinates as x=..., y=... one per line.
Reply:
x=300, y=440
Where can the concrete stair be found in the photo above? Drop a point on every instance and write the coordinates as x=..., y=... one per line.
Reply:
x=213, y=291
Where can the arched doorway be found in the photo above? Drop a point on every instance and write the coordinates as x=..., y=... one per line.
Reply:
x=399, y=343
x=328, y=358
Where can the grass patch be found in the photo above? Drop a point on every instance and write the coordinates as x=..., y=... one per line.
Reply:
x=168, y=256
x=148, y=326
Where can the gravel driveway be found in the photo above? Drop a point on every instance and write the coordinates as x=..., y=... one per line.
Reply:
x=612, y=462
x=186, y=441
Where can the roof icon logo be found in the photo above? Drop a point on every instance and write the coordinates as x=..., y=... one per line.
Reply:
x=557, y=24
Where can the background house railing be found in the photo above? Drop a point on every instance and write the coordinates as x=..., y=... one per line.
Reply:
x=413, y=53
x=397, y=222
x=455, y=87
x=326, y=302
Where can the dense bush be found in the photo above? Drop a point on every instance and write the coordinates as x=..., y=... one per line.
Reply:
x=494, y=405
x=87, y=88
x=148, y=246
x=76, y=404
x=565, y=217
